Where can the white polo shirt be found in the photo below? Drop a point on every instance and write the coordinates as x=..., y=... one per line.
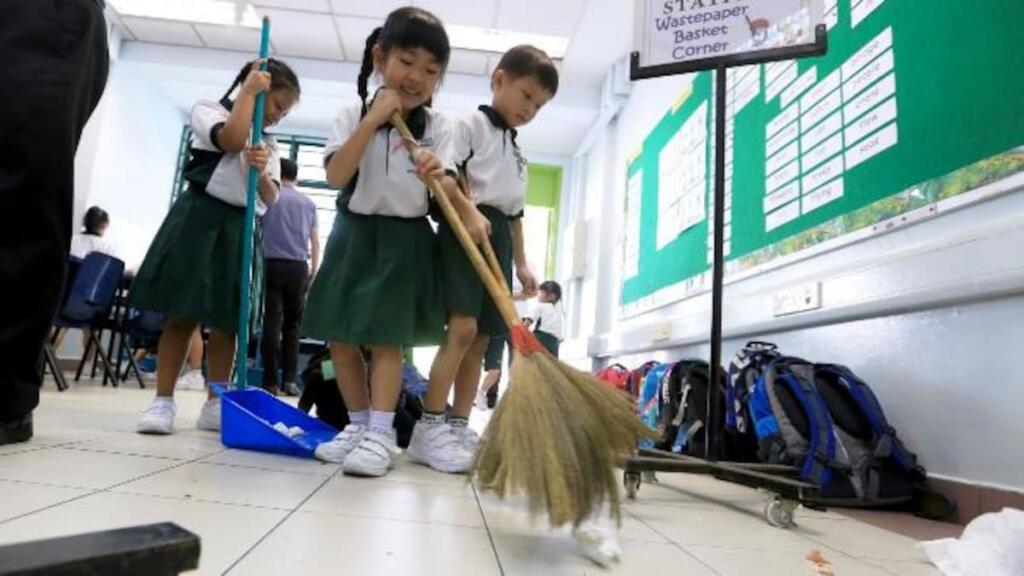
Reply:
x=485, y=147
x=386, y=182
x=223, y=176
x=547, y=317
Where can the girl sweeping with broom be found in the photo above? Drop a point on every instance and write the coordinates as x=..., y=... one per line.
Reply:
x=378, y=287
x=191, y=271
x=484, y=144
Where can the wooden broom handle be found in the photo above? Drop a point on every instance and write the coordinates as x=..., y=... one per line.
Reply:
x=502, y=299
x=488, y=249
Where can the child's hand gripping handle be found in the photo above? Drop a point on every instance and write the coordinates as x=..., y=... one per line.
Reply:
x=502, y=299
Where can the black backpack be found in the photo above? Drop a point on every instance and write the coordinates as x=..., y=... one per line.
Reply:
x=873, y=466
x=683, y=411
x=322, y=393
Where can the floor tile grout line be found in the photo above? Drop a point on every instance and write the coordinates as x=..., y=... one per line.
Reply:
x=98, y=490
x=91, y=492
x=46, y=484
x=261, y=468
x=279, y=523
x=134, y=454
x=487, y=527
x=26, y=450
x=673, y=543
x=391, y=519
x=199, y=500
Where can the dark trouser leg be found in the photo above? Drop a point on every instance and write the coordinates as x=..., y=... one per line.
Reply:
x=54, y=70
x=272, y=316
x=294, y=300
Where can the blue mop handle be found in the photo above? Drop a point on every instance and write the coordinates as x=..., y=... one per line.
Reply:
x=242, y=351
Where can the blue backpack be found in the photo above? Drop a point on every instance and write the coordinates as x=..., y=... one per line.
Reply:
x=877, y=469
x=792, y=421
x=648, y=401
x=744, y=370
x=826, y=422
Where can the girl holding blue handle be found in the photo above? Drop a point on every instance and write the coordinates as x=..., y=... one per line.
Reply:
x=191, y=273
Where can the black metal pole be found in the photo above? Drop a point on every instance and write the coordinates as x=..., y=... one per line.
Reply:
x=712, y=440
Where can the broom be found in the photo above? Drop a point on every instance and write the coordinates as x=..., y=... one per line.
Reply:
x=558, y=433
x=242, y=349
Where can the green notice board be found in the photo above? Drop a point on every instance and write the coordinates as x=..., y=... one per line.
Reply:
x=914, y=103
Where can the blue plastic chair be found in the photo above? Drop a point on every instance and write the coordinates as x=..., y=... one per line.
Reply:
x=140, y=329
x=89, y=301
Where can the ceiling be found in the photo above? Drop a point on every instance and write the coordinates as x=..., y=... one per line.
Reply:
x=333, y=32
x=337, y=29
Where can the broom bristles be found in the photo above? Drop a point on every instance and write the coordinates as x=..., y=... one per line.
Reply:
x=557, y=437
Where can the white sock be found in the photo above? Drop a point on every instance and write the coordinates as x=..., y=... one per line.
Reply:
x=432, y=418
x=382, y=422
x=164, y=400
x=458, y=422
x=361, y=417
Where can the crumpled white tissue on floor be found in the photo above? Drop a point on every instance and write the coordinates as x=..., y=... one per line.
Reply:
x=991, y=545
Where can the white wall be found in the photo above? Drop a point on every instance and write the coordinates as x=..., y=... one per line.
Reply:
x=133, y=151
x=931, y=314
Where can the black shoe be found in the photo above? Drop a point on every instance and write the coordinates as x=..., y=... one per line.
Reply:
x=272, y=390
x=14, y=431
x=290, y=389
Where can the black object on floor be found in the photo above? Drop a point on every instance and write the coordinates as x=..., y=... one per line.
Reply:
x=154, y=550
x=15, y=431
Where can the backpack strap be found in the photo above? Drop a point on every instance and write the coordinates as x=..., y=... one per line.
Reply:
x=821, y=446
x=888, y=443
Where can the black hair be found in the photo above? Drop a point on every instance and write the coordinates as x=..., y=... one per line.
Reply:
x=525, y=60
x=94, y=220
x=281, y=76
x=407, y=27
x=289, y=170
x=553, y=288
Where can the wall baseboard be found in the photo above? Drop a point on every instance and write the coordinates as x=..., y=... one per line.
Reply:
x=973, y=500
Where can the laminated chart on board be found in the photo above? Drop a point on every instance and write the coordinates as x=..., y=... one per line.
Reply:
x=914, y=104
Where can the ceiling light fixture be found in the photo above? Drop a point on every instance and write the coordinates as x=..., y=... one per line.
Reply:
x=499, y=41
x=221, y=12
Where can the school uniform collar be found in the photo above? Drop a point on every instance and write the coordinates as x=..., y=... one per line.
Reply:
x=497, y=121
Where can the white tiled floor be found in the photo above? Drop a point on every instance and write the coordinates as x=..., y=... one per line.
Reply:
x=258, y=513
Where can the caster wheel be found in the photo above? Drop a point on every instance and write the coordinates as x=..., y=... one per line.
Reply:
x=631, y=481
x=779, y=512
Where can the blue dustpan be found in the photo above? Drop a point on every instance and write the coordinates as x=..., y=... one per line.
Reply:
x=247, y=421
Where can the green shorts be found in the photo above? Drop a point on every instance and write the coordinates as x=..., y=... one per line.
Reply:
x=548, y=341
x=464, y=293
x=494, y=356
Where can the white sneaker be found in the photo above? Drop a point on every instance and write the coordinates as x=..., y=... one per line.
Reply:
x=158, y=417
x=597, y=542
x=336, y=449
x=209, y=416
x=467, y=437
x=481, y=399
x=438, y=446
x=191, y=380
x=373, y=456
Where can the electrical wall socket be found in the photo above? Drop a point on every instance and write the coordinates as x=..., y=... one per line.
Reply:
x=662, y=331
x=797, y=299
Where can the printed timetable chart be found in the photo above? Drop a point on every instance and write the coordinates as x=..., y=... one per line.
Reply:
x=683, y=178
x=827, y=126
x=744, y=86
